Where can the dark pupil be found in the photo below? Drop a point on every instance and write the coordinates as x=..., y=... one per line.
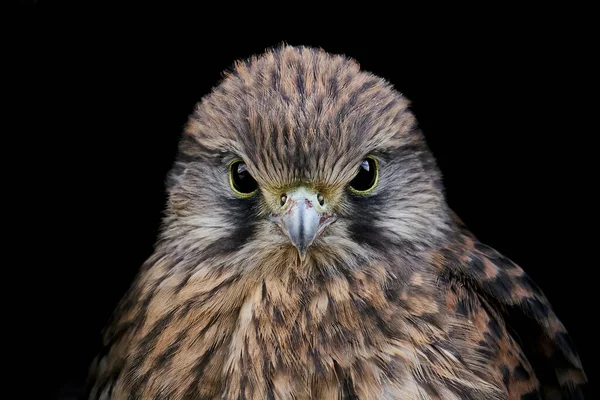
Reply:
x=242, y=180
x=365, y=178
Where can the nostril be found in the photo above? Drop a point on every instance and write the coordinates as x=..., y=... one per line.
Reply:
x=321, y=199
x=283, y=199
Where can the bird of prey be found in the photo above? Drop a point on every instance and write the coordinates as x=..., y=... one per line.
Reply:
x=307, y=252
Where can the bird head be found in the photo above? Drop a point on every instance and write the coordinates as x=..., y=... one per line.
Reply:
x=297, y=157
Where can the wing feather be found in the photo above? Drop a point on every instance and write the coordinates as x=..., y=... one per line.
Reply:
x=481, y=280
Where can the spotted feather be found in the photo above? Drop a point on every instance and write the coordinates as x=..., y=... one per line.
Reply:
x=532, y=347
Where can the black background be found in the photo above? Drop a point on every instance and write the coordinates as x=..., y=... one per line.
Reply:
x=504, y=103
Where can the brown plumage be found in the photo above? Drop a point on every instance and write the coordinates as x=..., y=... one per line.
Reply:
x=344, y=275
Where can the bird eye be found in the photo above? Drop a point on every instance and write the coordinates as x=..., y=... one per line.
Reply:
x=366, y=178
x=240, y=179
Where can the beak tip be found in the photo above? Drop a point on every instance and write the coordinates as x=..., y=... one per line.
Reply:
x=302, y=253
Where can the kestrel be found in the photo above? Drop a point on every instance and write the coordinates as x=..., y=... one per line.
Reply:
x=307, y=252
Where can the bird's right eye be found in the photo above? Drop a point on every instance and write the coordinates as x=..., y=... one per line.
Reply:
x=240, y=180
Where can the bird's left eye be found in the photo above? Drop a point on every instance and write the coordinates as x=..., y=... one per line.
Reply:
x=366, y=178
x=240, y=180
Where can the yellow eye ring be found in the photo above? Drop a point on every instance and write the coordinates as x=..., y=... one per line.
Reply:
x=367, y=178
x=241, y=182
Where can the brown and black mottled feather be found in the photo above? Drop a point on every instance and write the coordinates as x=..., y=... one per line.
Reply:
x=483, y=281
x=395, y=300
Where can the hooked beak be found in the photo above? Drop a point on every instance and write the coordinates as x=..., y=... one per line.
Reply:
x=302, y=218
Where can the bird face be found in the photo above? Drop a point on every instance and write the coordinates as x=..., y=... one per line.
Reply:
x=302, y=213
x=305, y=157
